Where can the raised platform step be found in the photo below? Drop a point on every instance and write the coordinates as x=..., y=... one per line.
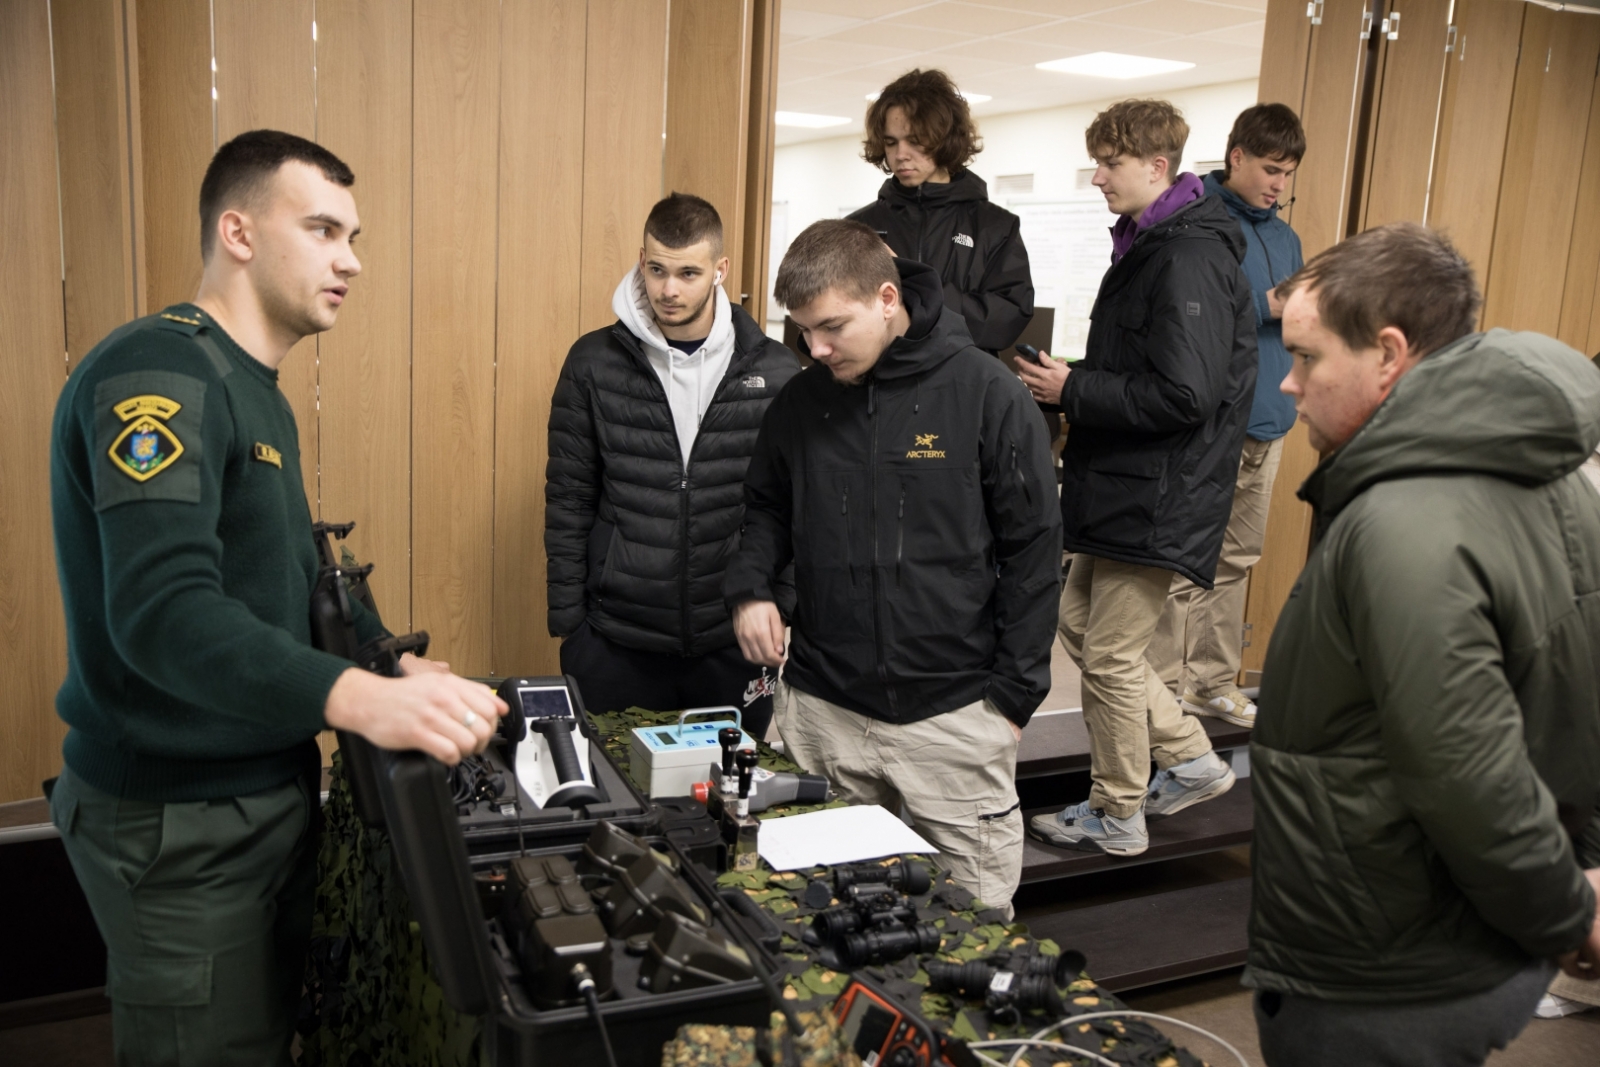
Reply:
x=1225, y=822
x=1157, y=938
x=1057, y=743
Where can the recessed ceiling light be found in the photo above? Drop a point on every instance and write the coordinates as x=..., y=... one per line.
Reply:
x=810, y=122
x=971, y=98
x=1114, y=65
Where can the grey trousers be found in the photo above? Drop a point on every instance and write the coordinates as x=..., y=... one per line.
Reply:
x=1306, y=1032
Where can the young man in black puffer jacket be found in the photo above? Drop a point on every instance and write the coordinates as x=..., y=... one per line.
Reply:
x=1158, y=412
x=651, y=429
x=934, y=210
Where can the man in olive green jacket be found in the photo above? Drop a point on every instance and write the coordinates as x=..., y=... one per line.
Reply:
x=1428, y=740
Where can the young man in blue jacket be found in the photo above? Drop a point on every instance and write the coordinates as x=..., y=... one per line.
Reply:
x=1201, y=632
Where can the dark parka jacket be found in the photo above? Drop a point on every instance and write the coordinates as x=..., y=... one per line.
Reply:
x=1430, y=708
x=636, y=539
x=917, y=508
x=976, y=246
x=1158, y=408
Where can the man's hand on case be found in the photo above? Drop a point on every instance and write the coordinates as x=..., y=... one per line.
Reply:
x=759, y=628
x=412, y=664
x=429, y=710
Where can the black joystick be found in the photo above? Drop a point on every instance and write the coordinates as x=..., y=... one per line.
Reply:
x=728, y=737
x=746, y=759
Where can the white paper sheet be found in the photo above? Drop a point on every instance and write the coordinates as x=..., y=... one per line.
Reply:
x=836, y=835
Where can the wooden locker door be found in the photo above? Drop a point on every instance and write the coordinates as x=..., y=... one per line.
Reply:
x=1539, y=183
x=1480, y=73
x=1583, y=259
x=1338, y=56
x=1413, y=35
x=1285, y=51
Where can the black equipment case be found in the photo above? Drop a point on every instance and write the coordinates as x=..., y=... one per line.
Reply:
x=478, y=971
x=486, y=830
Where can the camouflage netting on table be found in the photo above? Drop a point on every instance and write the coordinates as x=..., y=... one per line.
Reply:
x=371, y=998
x=970, y=931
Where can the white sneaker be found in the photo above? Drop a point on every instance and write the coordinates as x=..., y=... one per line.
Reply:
x=1187, y=784
x=1092, y=830
x=1233, y=706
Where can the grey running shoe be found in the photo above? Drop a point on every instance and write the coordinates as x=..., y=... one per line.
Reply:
x=1176, y=788
x=1092, y=830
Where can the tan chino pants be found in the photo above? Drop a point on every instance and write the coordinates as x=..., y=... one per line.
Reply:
x=1203, y=629
x=956, y=774
x=1109, y=611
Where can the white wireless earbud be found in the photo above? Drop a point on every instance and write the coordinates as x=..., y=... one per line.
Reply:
x=719, y=279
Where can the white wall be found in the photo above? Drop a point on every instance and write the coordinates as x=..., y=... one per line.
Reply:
x=827, y=179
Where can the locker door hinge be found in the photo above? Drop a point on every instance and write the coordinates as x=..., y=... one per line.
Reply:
x=1391, y=26
x=1450, y=41
x=1366, y=24
x=1248, y=628
x=1314, y=12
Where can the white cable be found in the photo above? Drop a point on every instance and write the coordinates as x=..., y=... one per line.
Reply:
x=1135, y=1015
x=1061, y=1047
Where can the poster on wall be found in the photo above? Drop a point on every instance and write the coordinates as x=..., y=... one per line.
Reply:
x=1069, y=250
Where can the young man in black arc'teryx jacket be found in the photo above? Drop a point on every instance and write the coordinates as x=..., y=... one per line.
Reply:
x=909, y=480
x=934, y=210
x=651, y=429
x=1158, y=412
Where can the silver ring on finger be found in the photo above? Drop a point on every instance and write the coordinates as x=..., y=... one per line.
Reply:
x=468, y=719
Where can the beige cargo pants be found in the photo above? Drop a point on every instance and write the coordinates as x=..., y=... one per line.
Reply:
x=1203, y=629
x=956, y=774
x=1108, y=614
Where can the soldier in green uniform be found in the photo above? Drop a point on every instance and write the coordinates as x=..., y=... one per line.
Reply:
x=189, y=804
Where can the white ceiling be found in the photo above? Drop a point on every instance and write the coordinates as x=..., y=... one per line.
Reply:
x=834, y=52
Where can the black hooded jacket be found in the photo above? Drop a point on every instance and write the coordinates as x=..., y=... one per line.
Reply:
x=635, y=542
x=975, y=246
x=1159, y=406
x=918, y=509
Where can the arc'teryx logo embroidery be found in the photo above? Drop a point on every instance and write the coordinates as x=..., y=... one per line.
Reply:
x=146, y=447
x=924, y=448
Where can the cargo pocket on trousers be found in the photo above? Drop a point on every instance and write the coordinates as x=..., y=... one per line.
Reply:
x=159, y=981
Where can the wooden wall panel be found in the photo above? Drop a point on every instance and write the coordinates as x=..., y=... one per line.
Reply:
x=96, y=176
x=175, y=130
x=364, y=363
x=1583, y=259
x=455, y=97
x=1333, y=78
x=265, y=80
x=1288, y=538
x=1479, y=77
x=707, y=119
x=1285, y=51
x=759, y=147
x=624, y=117
x=1539, y=183
x=541, y=256
x=33, y=368
x=1400, y=159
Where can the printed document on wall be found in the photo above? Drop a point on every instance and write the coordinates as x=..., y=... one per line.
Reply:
x=1069, y=251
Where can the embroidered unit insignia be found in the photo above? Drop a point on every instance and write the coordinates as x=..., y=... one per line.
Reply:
x=180, y=318
x=146, y=446
x=268, y=454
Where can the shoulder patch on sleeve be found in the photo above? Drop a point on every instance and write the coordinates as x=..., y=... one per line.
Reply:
x=148, y=428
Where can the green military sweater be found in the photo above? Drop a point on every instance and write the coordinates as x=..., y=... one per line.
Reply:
x=184, y=547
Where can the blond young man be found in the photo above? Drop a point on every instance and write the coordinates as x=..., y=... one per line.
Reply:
x=1158, y=411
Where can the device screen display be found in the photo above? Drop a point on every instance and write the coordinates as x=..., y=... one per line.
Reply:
x=868, y=1025
x=546, y=702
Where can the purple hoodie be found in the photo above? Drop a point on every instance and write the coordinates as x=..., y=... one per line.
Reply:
x=1186, y=190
